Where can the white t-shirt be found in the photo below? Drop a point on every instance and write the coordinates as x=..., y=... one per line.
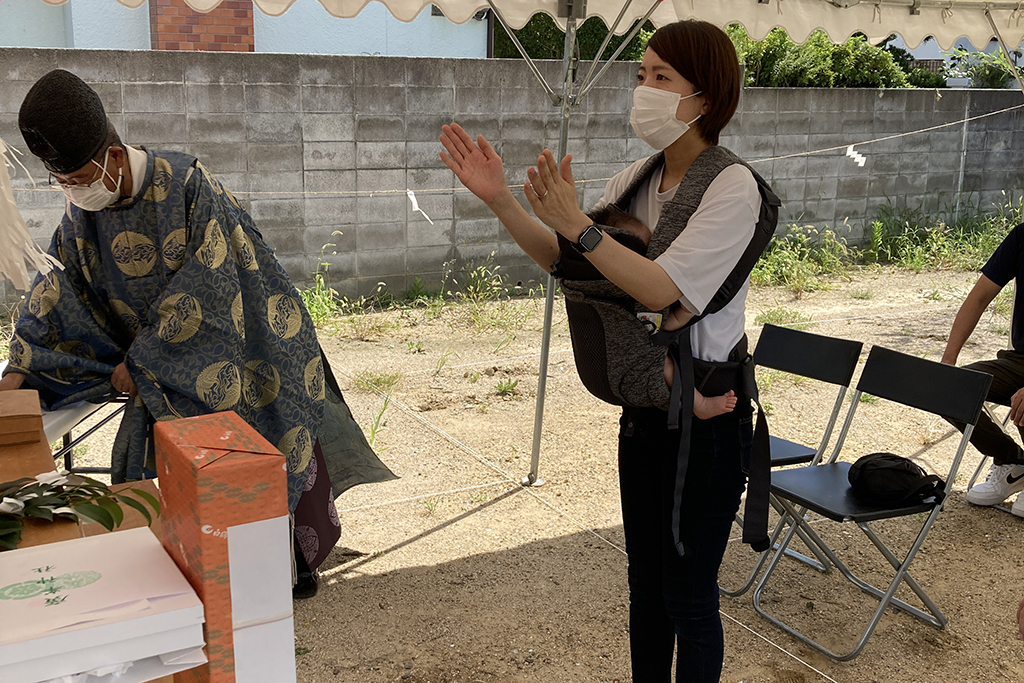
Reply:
x=704, y=254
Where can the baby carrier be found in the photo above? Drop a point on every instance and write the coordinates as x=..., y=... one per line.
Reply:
x=621, y=361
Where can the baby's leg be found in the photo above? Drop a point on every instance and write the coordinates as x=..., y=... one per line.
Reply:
x=707, y=407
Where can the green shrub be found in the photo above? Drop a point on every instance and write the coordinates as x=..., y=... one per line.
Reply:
x=542, y=39
x=777, y=61
x=984, y=69
x=922, y=78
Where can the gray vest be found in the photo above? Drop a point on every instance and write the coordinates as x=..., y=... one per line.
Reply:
x=615, y=356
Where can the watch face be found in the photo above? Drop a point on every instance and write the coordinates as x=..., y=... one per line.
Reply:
x=590, y=238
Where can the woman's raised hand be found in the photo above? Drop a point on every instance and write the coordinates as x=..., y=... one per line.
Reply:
x=475, y=164
x=551, y=192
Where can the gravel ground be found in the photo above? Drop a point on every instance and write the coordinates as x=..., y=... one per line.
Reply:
x=456, y=572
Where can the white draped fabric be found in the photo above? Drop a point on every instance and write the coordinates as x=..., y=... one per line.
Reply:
x=914, y=20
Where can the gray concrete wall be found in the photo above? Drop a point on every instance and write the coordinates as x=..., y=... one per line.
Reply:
x=317, y=145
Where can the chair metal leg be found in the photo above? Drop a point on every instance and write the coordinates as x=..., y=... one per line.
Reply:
x=822, y=563
x=67, y=449
x=886, y=598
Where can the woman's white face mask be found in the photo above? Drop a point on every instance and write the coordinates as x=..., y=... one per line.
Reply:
x=654, y=116
x=95, y=196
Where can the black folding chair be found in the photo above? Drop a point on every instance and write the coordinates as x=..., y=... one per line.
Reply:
x=825, y=359
x=956, y=393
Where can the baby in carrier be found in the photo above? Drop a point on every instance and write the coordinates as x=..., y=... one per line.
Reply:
x=704, y=407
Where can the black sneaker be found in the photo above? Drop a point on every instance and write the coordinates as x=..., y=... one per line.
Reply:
x=306, y=586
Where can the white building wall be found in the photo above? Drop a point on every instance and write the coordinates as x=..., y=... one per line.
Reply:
x=31, y=23
x=308, y=28
x=99, y=24
x=107, y=25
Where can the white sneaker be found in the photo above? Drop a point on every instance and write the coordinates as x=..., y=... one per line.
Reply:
x=1018, y=506
x=1003, y=481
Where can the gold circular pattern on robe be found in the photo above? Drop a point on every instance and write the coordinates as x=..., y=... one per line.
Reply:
x=161, y=184
x=44, y=296
x=180, y=318
x=129, y=317
x=315, y=379
x=232, y=198
x=134, y=254
x=297, y=447
x=285, y=315
x=245, y=254
x=261, y=383
x=88, y=258
x=219, y=386
x=173, y=251
x=238, y=315
x=215, y=247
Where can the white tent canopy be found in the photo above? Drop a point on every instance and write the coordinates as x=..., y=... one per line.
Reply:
x=914, y=20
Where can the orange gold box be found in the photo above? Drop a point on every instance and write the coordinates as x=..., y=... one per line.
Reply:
x=217, y=477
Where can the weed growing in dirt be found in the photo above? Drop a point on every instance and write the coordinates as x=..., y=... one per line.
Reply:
x=1002, y=305
x=960, y=238
x=784, y=317
x=415, y=347
x=508, y=339
x=377, y=423
x=766, y=378
x=443, y=361
x=431, y=505
x=506, y=387
x=321, y=300
x=376, y=381
x=956, y=236
x=369, y=327
x=798, y=260
x=863, y=294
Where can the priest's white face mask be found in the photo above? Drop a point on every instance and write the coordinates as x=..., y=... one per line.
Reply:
x=95, y=196
x=653, y=116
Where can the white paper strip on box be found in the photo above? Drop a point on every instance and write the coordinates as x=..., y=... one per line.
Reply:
x=259, y=557
x=91, y=603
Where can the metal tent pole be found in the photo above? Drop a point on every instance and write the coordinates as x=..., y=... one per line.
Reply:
x=568, y=76
x=571, y=10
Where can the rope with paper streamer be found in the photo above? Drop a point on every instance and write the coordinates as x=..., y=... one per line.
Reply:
x=17, y=248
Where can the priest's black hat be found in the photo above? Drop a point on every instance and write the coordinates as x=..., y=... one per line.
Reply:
x=63, y=121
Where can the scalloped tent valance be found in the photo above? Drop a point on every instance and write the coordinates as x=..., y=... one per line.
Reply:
x=914, y=20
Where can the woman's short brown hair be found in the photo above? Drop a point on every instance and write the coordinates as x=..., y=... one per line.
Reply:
x=704, y=55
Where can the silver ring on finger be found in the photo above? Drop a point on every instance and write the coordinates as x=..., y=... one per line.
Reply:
x=542, y=196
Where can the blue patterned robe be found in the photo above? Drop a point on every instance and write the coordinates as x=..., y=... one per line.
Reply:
x=178, y=284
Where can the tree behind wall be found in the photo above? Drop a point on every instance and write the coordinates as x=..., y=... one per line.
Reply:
x=544, y=40
x=778, y=62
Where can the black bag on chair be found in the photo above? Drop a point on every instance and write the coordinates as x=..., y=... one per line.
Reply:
x=888, y=479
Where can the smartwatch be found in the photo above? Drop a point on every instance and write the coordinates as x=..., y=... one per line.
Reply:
x=589, y=240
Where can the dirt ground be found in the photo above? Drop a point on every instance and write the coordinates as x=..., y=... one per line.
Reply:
x=457, y=573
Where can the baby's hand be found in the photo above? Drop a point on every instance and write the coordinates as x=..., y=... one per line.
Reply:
x=676, y=319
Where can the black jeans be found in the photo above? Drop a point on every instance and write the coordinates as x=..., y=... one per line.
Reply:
x=674, y=600
x=1007, y=372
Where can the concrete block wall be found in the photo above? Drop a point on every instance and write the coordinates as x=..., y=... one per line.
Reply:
x=323, y=148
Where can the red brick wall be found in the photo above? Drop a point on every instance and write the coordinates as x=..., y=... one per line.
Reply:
x=175, y=26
